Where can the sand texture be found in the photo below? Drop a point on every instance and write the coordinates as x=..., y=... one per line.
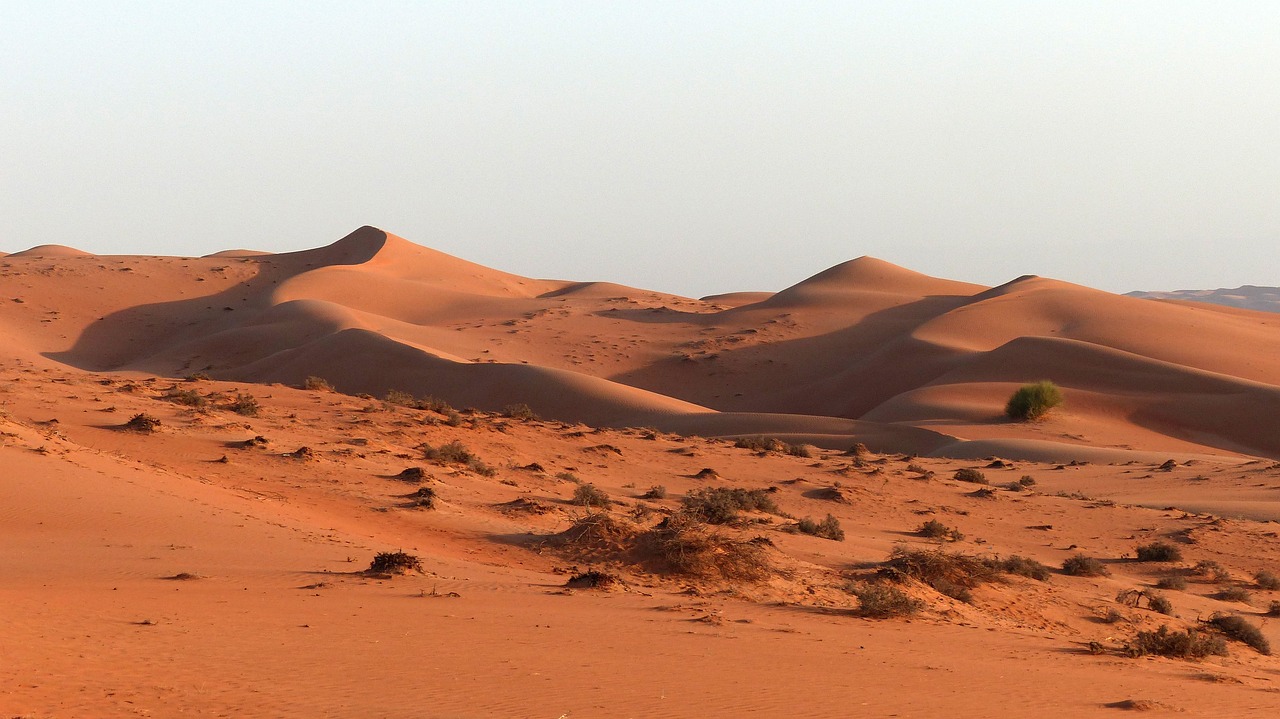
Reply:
x=201, y=457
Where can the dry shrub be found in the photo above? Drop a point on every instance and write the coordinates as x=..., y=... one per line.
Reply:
x=1233, y=594
x=1173, y=581
x=187, y=398
x=1274, y=609
x=771, y=444
x=720, y=505
x=1159, y=552
x=1138, y=597
x=245, y=404
x=589, y=495
x=141, y=423
x=457, y=453
x=1082, y=566
x=682, y=546
x=593, y=579
x=657, y=491
x=318, y=384
x=596, y=534
x=968, y=474
x=394, y=563
x=1189, y=644
x=878, y=600
x=828, y=528
x=1214, y=571
x=1267, y=580
x=933, y=529
x=1021, y=566
x=1236, y=627
x=519, y=411
x=950, y=574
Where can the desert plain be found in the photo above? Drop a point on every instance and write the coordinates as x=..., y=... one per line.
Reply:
x=623, y=503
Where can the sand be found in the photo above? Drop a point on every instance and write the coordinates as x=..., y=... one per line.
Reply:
x=184, y=571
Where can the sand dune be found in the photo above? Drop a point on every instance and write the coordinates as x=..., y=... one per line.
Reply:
x=187, y=514
x=864, y=340
x=1245, y=297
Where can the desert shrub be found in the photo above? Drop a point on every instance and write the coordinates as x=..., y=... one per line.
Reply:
x=589, y=495
x=400, y=398
x=142, y=423
x=319, y=384
x=1021, y=566
x=593, y=579
x=828, y=528
x=949, y=574
x=1189, y=644
x=799, y=450
x=933, y=529
x=245, y=404
x=682, y=546
x=1033, y=401
x=720, y=505
x=1159, y=603
x=395, y=563
x=879, y=600
x=1139, y=597
x=1027, y=481
x=436, y=405
x=1111, y=616
x=567, y=476
x=1274, y=609
x=456, y=452
x=1267, y=580
x=1159, y=552
x=657, y=491
x=1172, y=581
x=760, y=444
x=188, y=398
x=1233, y=594
x=596, y=534
x=968, y=474
x=519, y=411
x=1214, y=571
x=1082, y=566
x=1237, y=628
x=424, y=498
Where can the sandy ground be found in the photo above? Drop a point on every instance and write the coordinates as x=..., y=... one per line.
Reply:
x=185, y=571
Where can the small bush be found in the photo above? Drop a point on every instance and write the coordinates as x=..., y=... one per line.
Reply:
x=828, y=528
x=1211, y=569
x=720, y=505
x=395, y=563
x=1033, y=401
x=1082, y=566
x=1267, y=580
x=400, y=398
x=424, y=498
x=1027, y=481
x=1274, y=609
x=1022, y=566
x=567, y=476
x=142, y=423
x=1153, y=601
x=679, y=545
x=878, y=600
x=589, y=495
x=949, y=574
x=188, y=398
x=657, y=491
x=1237, y=628
x=799, y=450
x=318, y=384
x=1233, y=594
x=1159, y=552
x=245, y=404
x=1172, y=581
x=973, y=476
x=1159, y=603
x=933, y=529
x=519, y=411
x=772, y=444
x=1190, y=644
x=593, y=579
x=457, y=453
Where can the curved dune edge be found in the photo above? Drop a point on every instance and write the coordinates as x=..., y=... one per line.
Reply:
x=51, y=251
x=863, y=349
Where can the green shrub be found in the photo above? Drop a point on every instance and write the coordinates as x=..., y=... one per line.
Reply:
x=1237, y=628
x=1082, y=566
x=1159, y=552
x=828, y=528
x=1033, y=401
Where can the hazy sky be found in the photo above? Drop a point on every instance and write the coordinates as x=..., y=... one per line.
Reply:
x=683, y=146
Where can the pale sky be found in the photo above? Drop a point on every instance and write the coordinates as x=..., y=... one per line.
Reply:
x=690, y=147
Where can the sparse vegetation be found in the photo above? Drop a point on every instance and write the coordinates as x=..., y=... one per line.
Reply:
x=187, y=398
x=933, y=529
x=519, y=411
x=880, y=600
x=720, y=505
x=593, y=579
x=1021, y=566
x=424, y=498
x=1159, y=552
x=1033, y=401
x=395, y=563
x=1233, y=594
x=1273, y=610
x=245, y=404
x=657, y=491
x=682, y=546
x=457, y=453
x=1138, y=597
x=589, y=495
x=1189, y=644
x=771, y=444
x=1265, y=580
x=968, y=474
x=1083, y=566
x=1173, y=581
x=567, y=476
x=1236, y=627
x=950, y=574
x=1212, y=570
x=142, y=423
x=318, y=384
x=828, y=528
x=400, y=399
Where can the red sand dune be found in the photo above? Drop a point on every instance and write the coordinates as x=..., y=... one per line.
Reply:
x=214, y=565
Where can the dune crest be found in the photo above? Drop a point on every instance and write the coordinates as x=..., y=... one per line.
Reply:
x=51, y=251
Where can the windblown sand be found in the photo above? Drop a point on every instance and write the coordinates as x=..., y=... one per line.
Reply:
x=198, y=570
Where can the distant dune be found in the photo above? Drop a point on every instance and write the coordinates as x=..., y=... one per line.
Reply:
x=1245, y=297
x=864, y=349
